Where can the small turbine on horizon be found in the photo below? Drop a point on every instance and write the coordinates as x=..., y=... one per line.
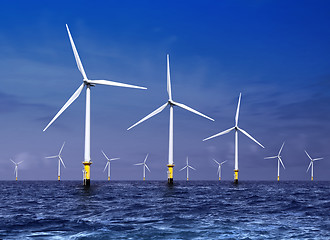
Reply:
x=144, y=167
x=60, y=160
x=312, y=164
x=170, y=103
x=279, y=160
x=88, y=83
x=187, y=166
x=236, y=128
x=219, y=167
x=108, y=164
x=16, y=167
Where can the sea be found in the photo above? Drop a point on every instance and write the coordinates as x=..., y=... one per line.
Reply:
x=156, y=210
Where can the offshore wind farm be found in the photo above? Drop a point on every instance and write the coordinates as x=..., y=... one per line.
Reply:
x=256, y=73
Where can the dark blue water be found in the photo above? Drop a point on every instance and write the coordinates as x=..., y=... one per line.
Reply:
x=153, y=210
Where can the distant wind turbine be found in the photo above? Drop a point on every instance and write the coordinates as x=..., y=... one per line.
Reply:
x=236, y=128
x=279, y=160
x=108, y=164
x=60, y=160
x=219, y=167
x=144, y=167
x=170, y=103
x=88, y=83
x=187, y=167
x=312, y=164
x=16, y=167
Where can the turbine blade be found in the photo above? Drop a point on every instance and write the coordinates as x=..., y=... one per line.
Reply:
x=308, y=156
x=20, y=162
x=309, y=166
x=116, y=84
x=223, y=162
x=191, y=167
x=182, y=168
x=158, y=110
x=61, y=149
x=114, y=159
x=270, y=157
x=191, y=110
x=169, y=88
x=12, y=161
x=52, y=157
x=105, y=166
x=216, y=161
x=105, y=156
x=147, y=167
x=76, y=55
x=62, y=161
x=219, y=134
x=248, y=135
x=316, y=159
x=279, y=158
x=67, y=104
x=237, y=110
x=137, y=164
x=146, y=158
x=279, y=153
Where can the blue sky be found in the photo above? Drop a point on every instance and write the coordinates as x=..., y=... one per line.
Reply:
x=275, y=52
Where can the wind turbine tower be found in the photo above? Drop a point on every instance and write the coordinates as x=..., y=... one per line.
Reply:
x=219, y=167
x=16, y=167
x=60, y=160
x=187, y=167
x=236, y=128
x=145, y=166
x=279, y=160
x=108, y=164
x=88, y=84
x=311, y=164
x=170, y=102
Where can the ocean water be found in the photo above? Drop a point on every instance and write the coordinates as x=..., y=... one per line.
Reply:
x=154, y=210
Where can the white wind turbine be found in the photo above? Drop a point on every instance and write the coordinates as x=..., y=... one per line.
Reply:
x=108, y=164
x=60, y=160
x=88, y=83
x=219, y=167
x=144, y=167
x=279, y=160
x=187, y=167
x=16, y=167
x=312, y=164
x=170, y=103
x=236, y=128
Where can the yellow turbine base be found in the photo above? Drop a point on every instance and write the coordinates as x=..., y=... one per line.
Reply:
x=236, y=176
x=187, y=179
x=312, y=179
x=144, y=179
x=170, y=173
x=87, y=167
x=58, y=178
x=219, y=178
x=16, y=179
x=278, y=178
x=108, y=178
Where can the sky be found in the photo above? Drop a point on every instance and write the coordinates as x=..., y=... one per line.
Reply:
x=276, y=53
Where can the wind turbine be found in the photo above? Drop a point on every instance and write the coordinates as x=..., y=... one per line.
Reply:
x=108, y=164
x=312, y=164
x=144, y=167
x=16, y=167
x=60, y=160
x=88, y=83
x=219, y=167
x=279, y=160
x=170, y=103
x=236, y=128
x=187, y=166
